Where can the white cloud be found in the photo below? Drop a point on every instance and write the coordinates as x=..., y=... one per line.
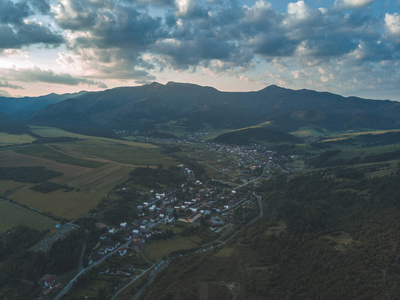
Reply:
x=392, y=22
x=349, y=4
x=299, y=10
x=183, y=6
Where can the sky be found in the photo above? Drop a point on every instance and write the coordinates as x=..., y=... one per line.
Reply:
x=348, y=47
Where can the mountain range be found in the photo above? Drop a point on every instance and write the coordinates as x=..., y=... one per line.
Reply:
x=22, y=108
x=193, y=108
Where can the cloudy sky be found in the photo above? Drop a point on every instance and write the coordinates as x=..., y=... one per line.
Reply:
x=349, y=47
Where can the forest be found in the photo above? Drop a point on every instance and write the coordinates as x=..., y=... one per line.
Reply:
x=324, y=235
x=27, y=174
x=153, y=178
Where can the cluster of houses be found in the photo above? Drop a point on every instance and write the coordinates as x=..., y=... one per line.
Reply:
x=50, y=284
x=165, y=207
x=249, y=158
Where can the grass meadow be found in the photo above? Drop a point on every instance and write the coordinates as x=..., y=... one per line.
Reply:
x=7, y=139
x=159, y=249
x=12, y=215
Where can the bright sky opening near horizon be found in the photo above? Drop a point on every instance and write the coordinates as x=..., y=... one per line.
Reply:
x=348, y=47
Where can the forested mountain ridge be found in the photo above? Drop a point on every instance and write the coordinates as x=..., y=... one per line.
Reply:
x=195, y=107
x=21, y=108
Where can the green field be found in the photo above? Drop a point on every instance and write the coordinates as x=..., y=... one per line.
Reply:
x=47, y=152
x=12, y=215
x=159, y=249
x=57, y=132
x=367, y=151
x=119, y=152
x=91, y=166
x=7, y=139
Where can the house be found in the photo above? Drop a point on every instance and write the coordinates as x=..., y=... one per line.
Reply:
x=49, y=281
x=127, y=236
x=122, y=251
x=47, y=291
x=102, y=251
x=169, y=219
x=194, y=217
x=137, y=241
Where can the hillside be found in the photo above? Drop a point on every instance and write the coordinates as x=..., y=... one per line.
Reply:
x=256, y=136
x=194, y=108
x=21, y=108
x=4, y=119
x=320, y=238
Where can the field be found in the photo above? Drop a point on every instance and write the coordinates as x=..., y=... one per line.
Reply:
x=352, y=134
x=91, y=166
x=367, y=151
x=49, y=152
x=159, y=249
x=56, y=132
x=12, y=215
x=309, y=132
x=113, y=150
x=7, y=139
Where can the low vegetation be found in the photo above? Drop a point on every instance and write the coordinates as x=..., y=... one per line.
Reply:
x=259, y=135
x=27, y=174
x=154, y=178
x=13, y=215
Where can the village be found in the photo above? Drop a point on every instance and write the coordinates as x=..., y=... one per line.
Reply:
x=213, y=205
x=164, y=208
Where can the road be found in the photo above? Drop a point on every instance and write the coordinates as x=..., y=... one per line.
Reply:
x=252, y=181
x=203, y=248
x=133, y=280
x=282, y=169
x=219, y=242
x=69, y=285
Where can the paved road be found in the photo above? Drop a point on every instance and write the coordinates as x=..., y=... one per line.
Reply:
x=220, y=241
x=133, y=280
x=252, y=181
x=69, y=285
x=282, y=169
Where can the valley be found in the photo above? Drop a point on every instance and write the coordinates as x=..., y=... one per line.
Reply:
x=172, y=212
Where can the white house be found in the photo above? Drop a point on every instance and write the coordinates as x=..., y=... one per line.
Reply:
x=122, y=251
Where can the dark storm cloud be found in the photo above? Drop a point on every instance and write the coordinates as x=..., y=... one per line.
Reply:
x=274, y=45
x=27, y=34
x=13, y=13
x=187, y=34
x=77, y=15
x=112, y=26
x=6, y=84
x=41, y=6
x=37, y=75
x=188, y=53
x=16, y=32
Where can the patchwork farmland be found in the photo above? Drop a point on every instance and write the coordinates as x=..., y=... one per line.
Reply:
x=90, y=167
